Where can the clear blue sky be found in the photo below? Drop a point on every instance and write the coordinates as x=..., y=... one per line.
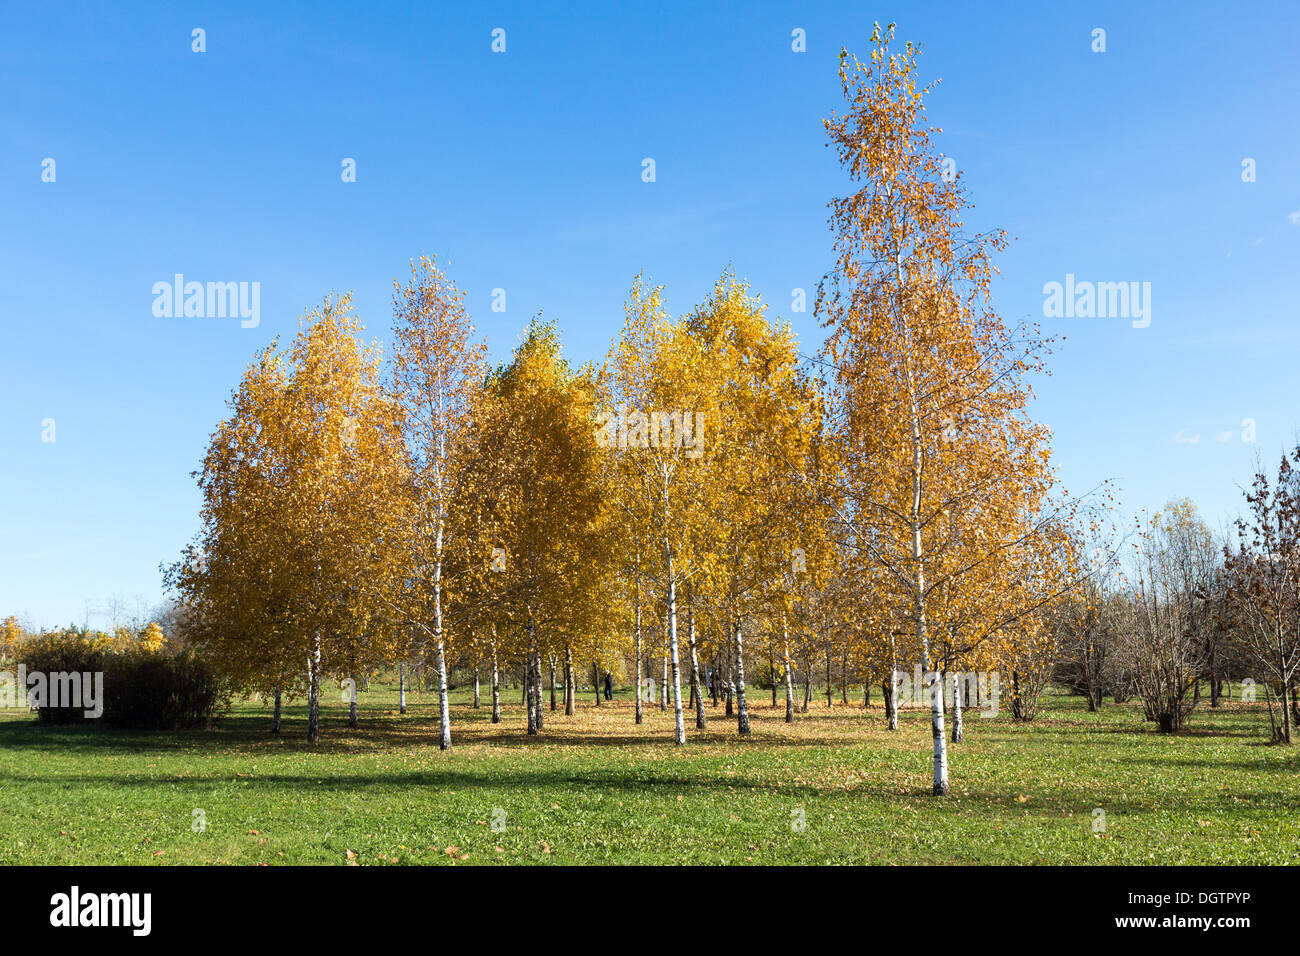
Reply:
x=523, y=171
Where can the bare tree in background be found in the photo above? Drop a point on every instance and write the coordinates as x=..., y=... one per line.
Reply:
x=1263, y=575
x=1161, y=646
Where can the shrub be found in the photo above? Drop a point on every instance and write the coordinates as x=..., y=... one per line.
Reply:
x=142, y=690
x=147, y=691
x=57, y=652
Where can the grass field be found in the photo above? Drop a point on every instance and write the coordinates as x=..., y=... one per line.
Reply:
x=595, y=788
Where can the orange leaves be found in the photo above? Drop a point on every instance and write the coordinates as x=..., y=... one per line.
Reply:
x=538, y=489
x=945, y=483
x=300, y=508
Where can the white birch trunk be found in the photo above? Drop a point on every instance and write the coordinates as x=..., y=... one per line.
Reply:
x=957, y=690
x=444, y=710
x=640, y=660
x=789, y=676
x=696, y=689
x=313, y=690
x=742, y=712
x=679, y=725
x=730, y=690
x=569, y=677
x=922, y=637
x=918, y=561
x=537, y=685
x=530, y=689
x=891, y=695
x=496, y=688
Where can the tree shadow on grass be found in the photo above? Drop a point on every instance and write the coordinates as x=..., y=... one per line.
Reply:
x=543, y=784
x=602, y=779
x=1248, y=762
x=250, y=734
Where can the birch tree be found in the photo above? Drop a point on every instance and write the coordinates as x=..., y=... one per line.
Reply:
x=437, y=369
x=300, y=516
x=544, y=536
x=766, y=416
x=918, y=361
x=656, y=426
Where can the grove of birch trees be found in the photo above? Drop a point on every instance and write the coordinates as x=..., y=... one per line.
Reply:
x=714, y=505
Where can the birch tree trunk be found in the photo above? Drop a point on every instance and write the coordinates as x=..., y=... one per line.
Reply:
x=742, y=712
x=730, y=689
x=476, y=695
x=789, y=675
x=957, y=690
x=696, y=690
x=891, y=693
x=401, y=688
x=313, y=691
x=551, y=661
x=496, y=688
x=444, y=710
x=595, y=680
x=275, y=718
x=569, y=676
x=936, y=730
x=530, y=692
x=444, y=702
x=537, y=688
x=640, y=661
x=679, y=725
x=352, y=703
x=918, y=566
x=663, y=684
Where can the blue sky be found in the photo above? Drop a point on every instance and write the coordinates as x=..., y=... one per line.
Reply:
x=522, y=171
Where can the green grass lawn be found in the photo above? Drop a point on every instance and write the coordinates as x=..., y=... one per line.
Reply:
x=595, y=788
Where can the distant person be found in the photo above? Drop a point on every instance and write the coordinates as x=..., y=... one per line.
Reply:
x=609, y=686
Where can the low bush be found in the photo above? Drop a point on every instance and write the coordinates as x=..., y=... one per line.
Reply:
x=147, y=691
x=141, y=689
x=60, y=652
